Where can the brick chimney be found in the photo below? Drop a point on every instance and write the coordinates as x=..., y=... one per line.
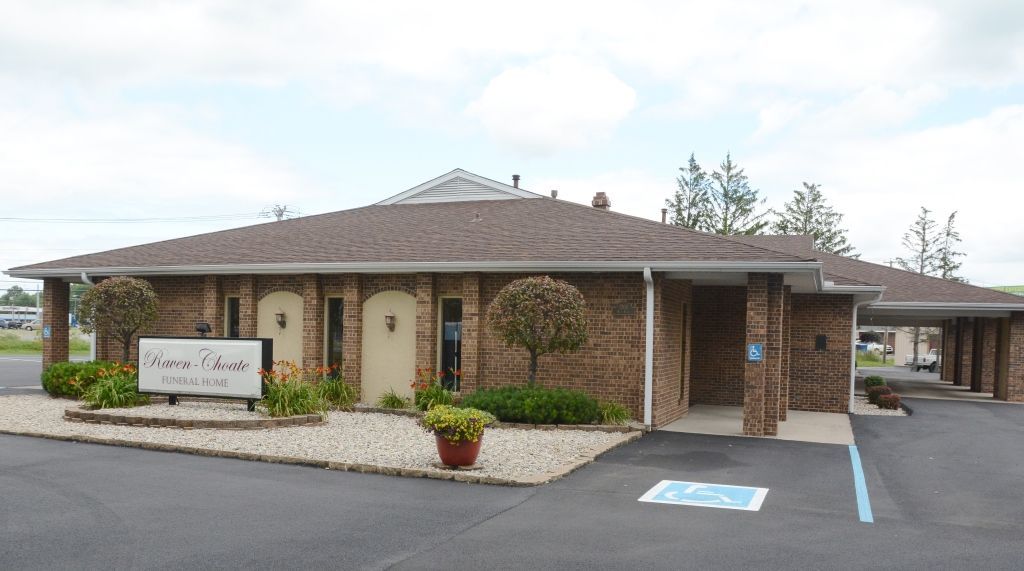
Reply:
x=601, y=201
x=515, y=180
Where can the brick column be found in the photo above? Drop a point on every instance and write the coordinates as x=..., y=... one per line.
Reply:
x=754, y=373
x=966, y=352
x=247, y=306
x=1015, y=359
x=472, y=324
x=948, y=351
x=989, y=346
x=56, y=294
x=213, y=305
x=312, y=321
x=773, y=355
x=787, y=310
x=352, y=329
x=426, y=323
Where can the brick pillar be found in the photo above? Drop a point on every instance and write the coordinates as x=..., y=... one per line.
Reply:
x=472, y=328
x=754, y=373
x=1015, y=359
x=426, y=323
x=352, y=329
x=213, y=305
x=787, y=310
x=989, y=347
x=312, y=321
x=56, y=294
x=948, y=351
x=773, y=356
x=966, y=352
x=247, y=306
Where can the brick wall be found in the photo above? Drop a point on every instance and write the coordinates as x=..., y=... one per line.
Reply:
x=671, y=394
x=719, y=323
x=966, y=361
x=610, y=366
x=820, y=380
x=754, y=374
x=989, y=347
x=948, y=370
x=773, y=355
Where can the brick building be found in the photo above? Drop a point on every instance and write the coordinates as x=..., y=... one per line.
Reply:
x=672, y=313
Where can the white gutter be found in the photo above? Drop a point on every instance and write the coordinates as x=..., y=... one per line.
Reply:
x=414, y=267
x=947, y=305
x=92, y=336
x=649, y=349
x=853, y=353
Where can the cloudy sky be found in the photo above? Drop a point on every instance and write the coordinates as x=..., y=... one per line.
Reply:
x=200, y=115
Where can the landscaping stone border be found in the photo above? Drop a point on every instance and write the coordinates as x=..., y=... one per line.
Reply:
x=455, y=475
x=512, y=425
x=100, y=417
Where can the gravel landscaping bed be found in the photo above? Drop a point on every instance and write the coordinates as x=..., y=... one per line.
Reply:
x=191, y=410
x=352, y=441
x=862, y=406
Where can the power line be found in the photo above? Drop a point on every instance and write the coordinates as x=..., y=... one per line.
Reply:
x=209, y=218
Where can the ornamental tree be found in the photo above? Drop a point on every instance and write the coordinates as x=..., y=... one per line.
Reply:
x=541, y=315
x=120, y=307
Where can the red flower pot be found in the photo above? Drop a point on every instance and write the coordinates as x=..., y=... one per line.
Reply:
x=463, y=453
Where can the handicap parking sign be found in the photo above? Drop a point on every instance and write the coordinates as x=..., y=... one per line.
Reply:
x=707, y=495
x=46, y=332
x=755, y=352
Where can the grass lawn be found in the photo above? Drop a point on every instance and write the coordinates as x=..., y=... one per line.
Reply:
x=12, y=344
x=868, y=359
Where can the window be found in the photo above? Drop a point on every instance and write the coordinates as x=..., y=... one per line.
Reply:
x=451, y=342
x=335, y=329
x=231, y=318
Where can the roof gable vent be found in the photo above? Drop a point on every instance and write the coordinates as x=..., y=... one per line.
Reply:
x=458, y=186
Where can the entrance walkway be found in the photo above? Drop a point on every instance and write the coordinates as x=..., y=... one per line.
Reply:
x=821, y=427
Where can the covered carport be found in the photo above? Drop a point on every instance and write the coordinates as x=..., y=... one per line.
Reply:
x=981, y=345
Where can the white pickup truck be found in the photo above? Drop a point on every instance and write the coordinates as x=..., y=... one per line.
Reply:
x=930, y=360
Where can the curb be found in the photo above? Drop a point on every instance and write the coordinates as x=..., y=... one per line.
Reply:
x=454, y=475
x=79, y=414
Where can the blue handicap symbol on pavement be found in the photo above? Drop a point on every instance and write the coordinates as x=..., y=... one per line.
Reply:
x=755, y=352
x=707, y=495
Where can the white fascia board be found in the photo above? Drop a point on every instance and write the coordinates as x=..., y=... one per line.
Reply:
x=944, y=306
x=499, y=186
x=415, y=267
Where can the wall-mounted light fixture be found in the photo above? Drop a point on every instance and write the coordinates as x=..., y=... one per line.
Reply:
x=202, y=328
x=389, y=320
x=280, y=319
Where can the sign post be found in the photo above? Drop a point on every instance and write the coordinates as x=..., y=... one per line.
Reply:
x=204, y=367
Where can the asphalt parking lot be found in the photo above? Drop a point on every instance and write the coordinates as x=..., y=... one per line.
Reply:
x=944, y=488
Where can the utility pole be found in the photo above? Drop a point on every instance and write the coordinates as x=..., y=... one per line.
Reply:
x=280, y=212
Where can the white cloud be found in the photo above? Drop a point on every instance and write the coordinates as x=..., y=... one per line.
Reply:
x=554, y=104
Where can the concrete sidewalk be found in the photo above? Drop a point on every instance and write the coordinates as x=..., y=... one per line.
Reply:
x=800, y=426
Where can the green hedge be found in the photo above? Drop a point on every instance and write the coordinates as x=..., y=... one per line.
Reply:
x=536, y=405
x=874, y=381
x=71, y=379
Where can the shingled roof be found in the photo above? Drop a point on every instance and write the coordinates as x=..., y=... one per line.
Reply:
x=537, y=229
x=900, y=285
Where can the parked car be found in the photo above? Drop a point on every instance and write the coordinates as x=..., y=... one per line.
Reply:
x=930, y=360
x=6, y=324
x=877, y=348
x=32, y=325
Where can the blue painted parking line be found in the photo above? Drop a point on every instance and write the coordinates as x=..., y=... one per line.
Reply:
x=706, y=495
x=861, y=487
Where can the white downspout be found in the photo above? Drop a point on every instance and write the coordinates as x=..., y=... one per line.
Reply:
x=92, y=336
x=853, y=341
x=649, y=349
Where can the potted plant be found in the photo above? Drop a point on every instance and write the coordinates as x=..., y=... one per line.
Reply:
x=459, y=432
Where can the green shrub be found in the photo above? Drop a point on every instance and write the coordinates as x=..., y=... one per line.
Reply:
x=115, y=387
x=293, y=397
x=72, y=379
x=614, y=413
x=428, y=390
x=337, y=393
x=456, y=424
x=889, y=401
x=391, y=399
x=874, y=381
x=875, y=392
x=536, y=405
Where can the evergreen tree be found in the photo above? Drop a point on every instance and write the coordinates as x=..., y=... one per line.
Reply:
x=947, y=264
x=691, y=203
x=923, y=241
x=808, y=214
x=733, y=203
